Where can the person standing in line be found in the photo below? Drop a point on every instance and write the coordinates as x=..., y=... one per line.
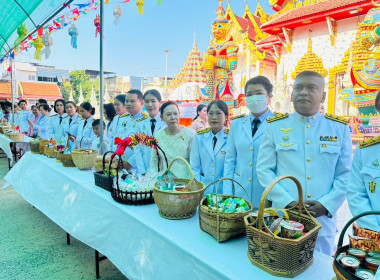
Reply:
x=148, y=126
x=314, y=148
x=200, y=120
x=70, y=124
x=24, y=116
x=109, y=115
x=42, y=126
x=86, y=112
x=55, y=122
x=119, y=120
x=209, y=147
x=244, y=140
x=363, y=192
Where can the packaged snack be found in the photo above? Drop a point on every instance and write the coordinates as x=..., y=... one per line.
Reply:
x=357, y=253
x=291, y=229
x=364, y=274
x=275, y=227
x=350, y=263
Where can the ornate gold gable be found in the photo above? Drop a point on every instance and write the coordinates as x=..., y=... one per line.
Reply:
x=310, y=61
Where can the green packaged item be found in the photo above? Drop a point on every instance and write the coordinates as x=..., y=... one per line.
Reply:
x=230, y=205
x=213, y=199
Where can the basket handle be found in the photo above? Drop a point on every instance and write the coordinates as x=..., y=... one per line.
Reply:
x=350, y=222
x=233, y=187
x=104, y=159
x=88, y=142
x=185, y=162
x=100, y=148
x=300, y=204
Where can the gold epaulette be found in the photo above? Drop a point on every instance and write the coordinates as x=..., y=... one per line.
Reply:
x=141, y=119
x=237, y=117
x=203, y=130
x=369, y=142
x=145, y=114
x=124, y=115
x=52, y=115
x=226, y=131
x=336, y=118
x=278, y=116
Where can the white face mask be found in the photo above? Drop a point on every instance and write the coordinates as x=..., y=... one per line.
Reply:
x=256, y=103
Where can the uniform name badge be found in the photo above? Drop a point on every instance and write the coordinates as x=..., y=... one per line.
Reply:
x=329, y=138
x=372, y=187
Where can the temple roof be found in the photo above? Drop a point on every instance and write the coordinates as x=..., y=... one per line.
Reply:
x=336, y=9
x=5, y=90
x=247, y=25
x=35, y=90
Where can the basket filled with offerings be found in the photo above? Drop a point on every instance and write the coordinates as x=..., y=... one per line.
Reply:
x=15, y=134
x=281, y=242
x=177, y=198
x=59, y=148
x=84, y=159
x=50, y=148
x=129, y=188
x=35, y=145
x=222, y=216
x=361, y=258
x=65, y=156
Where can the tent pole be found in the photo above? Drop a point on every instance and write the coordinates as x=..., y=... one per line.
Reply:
x=12, y=88
x=101, y=71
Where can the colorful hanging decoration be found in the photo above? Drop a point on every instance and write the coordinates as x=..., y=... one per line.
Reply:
x=62, y=20
x=22, y=32
x=117, y=12
x=47, y=40
x=38, y=45
x=140, y=5
x=159, y=2
x=97, y=25
x=73, y=32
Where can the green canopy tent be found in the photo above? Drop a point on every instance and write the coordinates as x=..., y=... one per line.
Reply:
x=33, y=14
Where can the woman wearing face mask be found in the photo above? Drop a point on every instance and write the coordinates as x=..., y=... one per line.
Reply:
x=149, y=126
x=209, y=146
x=175, y=140
x=200, y=121
x=245, y=138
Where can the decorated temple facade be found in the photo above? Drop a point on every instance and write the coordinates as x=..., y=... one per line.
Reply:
x=322, y=36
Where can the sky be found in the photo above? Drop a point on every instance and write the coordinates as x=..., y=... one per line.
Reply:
x=135, y=47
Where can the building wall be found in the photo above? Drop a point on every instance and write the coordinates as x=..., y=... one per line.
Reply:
x=330, y=55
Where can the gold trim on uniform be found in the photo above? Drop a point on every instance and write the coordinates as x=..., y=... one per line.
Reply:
x=336, y=118
x=237, y=117
x=141, y=119
x=226, y=131
x=145, y=114
x=52, y=115
x=124, y=115
x=278, y=116
x=203, y=130
x=369, y=142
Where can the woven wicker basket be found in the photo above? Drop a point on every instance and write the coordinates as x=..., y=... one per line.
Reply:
x=35, y=146
x=66, y=160
x=43, y=142
x=102, y=180
x=51, y=151
x=340, y=271
x=281, y=256
x=175, y=205
x=19, y=137
x=100, y=158
x=223, y=226
x=84, y=159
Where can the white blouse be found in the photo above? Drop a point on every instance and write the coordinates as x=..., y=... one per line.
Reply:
x=173, y=146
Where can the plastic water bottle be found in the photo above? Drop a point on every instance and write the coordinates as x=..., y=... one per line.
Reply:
x=170, y=181
x=161, y=184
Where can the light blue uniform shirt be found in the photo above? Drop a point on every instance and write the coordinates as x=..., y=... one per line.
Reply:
x=23, y=117
x=116, y=129
x=315, y=150
x=128, y=128
x=241, y=157
x=85, y=131
x=364, y=186
x=142, y=152
x=72, y=128
x=43, y=126
x=207, y=162
x=55, y=130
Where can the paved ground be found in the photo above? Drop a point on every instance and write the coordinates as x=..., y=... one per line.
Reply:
x=32, y=247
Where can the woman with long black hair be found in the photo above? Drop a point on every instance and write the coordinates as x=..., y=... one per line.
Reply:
x=200, y=120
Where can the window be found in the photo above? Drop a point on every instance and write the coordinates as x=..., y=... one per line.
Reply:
x=31, y=78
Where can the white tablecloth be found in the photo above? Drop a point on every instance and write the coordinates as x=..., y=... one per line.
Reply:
x=135, y=238
x=6, y=141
